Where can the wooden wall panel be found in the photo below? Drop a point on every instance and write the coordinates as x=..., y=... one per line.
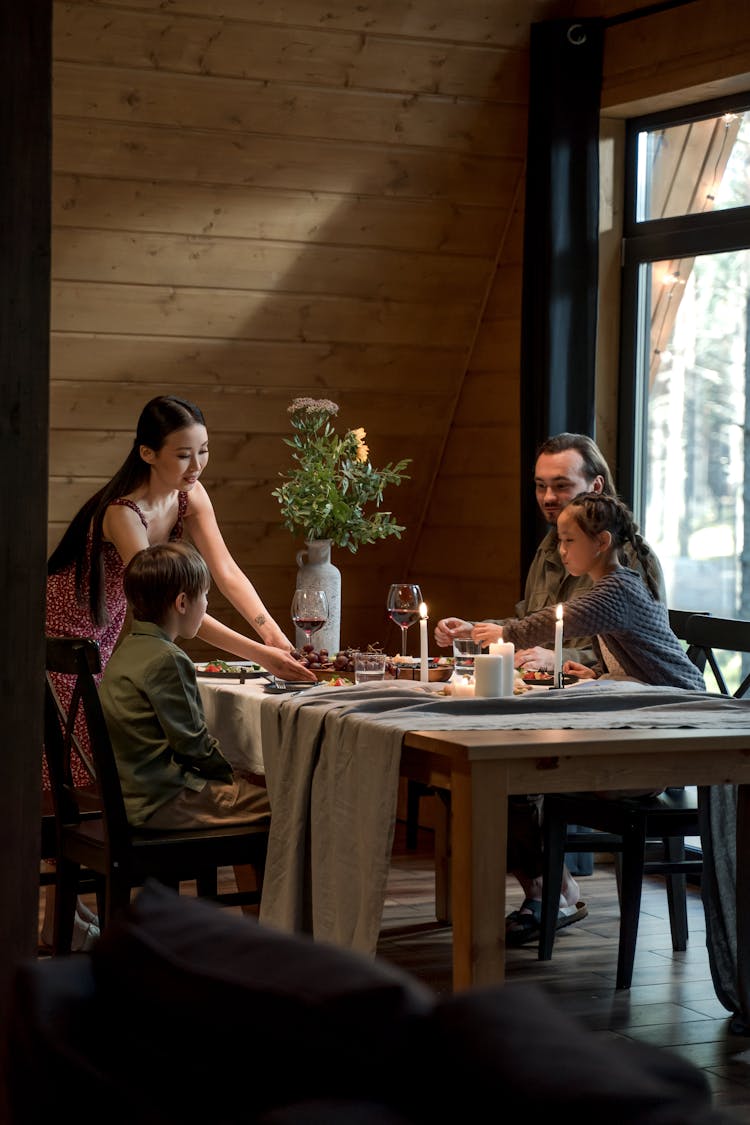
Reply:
x=499, y=23
x=141, y=152
x=297, y=365
x=697, y=51
x=244, y=106
x=253, y=202
x=266, y=267
x=228, y=211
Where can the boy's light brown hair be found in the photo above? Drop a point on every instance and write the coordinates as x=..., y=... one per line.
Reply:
x=157, y=575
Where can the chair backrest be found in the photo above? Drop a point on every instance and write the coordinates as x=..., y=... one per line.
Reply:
x=678, y=619
x=79, y=657
x=724, y=634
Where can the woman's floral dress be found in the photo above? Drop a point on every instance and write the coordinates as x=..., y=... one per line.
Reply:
x=69, y=616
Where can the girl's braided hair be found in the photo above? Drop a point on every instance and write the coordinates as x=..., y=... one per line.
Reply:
x=596, y=512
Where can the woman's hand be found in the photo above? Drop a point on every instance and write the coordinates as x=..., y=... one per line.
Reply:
x=273, y=636
x=448, y=628
x=486, y=632
x=573, y=668
x=280, y=663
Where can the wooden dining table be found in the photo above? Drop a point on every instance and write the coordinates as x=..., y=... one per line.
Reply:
x=483, y=767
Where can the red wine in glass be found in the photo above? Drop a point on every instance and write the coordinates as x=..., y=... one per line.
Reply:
x=309, y=610
x=404, y=599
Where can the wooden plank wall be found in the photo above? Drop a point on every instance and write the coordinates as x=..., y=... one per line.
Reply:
x=254, y=201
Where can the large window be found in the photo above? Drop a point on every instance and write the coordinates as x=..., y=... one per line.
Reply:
x=685, y=397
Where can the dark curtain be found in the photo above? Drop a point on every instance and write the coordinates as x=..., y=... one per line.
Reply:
x=558, y=338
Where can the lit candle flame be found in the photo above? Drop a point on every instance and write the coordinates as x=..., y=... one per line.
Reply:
x=423, y=610
x=559, y=612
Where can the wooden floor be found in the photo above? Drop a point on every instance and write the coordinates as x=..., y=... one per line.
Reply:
x=672, y=1003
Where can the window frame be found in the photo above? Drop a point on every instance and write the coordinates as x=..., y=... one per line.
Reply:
x=652, y=240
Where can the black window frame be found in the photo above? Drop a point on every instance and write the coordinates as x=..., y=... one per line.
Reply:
x=653, y=240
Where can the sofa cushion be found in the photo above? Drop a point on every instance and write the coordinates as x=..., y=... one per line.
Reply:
x=271, y=1017
x=515, y=1046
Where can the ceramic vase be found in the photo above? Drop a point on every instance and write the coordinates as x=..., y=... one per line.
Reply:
x=316, y=571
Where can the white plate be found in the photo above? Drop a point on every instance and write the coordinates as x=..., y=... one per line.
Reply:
x=237, y=669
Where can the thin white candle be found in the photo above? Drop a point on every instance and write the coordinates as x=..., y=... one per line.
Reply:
x=557, y=673
x=508, y=652
x=424, y=666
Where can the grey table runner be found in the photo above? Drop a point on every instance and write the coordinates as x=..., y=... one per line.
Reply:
x=332, y=769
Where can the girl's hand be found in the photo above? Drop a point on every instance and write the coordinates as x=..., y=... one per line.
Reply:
x=448, y=628
x=485, y=633
x=573, y=668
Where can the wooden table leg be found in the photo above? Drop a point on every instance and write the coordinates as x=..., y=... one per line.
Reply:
x=479, y=831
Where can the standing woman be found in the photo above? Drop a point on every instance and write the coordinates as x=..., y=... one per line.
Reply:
x=156, y=496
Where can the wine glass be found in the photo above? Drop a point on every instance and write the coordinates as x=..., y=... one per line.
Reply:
x=309, y=610
x=404, y=600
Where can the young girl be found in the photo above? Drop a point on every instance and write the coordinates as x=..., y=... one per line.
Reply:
x=154, y=497
x=632, y=640
x=630, y=626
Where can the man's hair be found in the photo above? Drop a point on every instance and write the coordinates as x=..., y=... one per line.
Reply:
x=157, y=575
x=594, y=464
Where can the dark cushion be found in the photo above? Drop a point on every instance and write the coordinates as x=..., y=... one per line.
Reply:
x=55, y=1045
x=210, y=1001
x=514, y=1046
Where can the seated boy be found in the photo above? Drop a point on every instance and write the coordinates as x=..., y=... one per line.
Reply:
x=172, y=771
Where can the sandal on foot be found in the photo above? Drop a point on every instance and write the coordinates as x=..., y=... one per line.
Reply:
x=523, y=926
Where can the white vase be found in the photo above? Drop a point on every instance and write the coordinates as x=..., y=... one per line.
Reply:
x=316, y=571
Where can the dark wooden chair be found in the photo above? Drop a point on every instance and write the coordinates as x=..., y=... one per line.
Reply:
x=88, y=801
x=123, y=856
x=629, y=827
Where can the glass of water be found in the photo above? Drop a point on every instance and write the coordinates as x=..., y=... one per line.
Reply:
x=369, y=667
x=464, y=651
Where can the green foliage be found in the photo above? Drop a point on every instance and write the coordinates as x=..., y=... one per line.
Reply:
x=326, y=493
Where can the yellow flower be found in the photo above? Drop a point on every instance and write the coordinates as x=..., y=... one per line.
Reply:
x=363, y=451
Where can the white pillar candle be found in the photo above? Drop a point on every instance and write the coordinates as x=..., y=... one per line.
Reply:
x=557, y=672
x=488, y=676
x=424, y=665
x=463, y=687
x=506, y=651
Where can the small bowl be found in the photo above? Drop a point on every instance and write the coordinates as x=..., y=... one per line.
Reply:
x=437, y=673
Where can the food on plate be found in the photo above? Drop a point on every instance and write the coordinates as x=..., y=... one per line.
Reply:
x=543, y=678
x=227, y=668
x=341, y=663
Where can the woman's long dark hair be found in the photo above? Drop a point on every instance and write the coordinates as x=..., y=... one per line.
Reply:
x=596, y=512
x=159, y=418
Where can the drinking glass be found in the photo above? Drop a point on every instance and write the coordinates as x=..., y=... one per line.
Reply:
x=464, y=651
x=309, y=610
x=369, y=667
x=404, y=600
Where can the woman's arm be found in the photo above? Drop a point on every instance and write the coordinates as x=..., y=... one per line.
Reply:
x=275, y=660
x=122, y=526
x=233, y=583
